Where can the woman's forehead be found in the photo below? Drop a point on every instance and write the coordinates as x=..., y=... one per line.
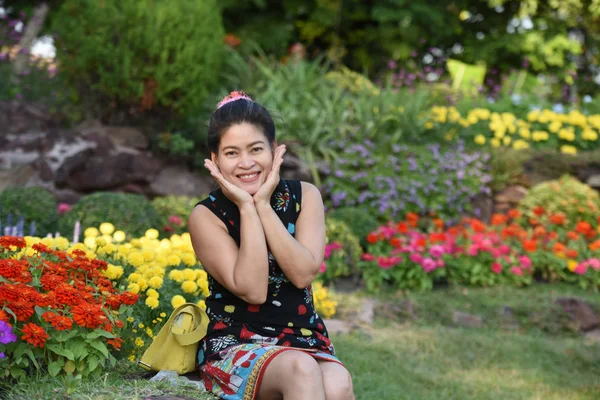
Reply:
x=241, y=135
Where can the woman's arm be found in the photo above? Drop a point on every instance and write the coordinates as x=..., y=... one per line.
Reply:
x=244, y=271
x=299, y=257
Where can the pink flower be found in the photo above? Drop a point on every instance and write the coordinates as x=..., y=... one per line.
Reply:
x=516, y=271
x=581, y=269
x=473, y=250
x=436, y=251
x=174, y=219
x=440, y=263
x=525, y=262
x=323, y=267
x=416, y=258
x=63, y=208
x=594, y=263
x=387, y=262
x=367, y=257
x=495, y=252
x=496, y=268
x=428, y=264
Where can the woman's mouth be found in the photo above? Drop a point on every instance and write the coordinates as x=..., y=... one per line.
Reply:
x=248, y=178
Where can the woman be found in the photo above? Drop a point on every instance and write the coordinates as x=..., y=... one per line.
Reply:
x=261, y=240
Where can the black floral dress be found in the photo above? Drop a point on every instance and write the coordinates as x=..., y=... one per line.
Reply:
x=287, y=318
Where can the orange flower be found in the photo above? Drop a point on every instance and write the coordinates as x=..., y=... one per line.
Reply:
x=533, y=222
x=435, y=237
x=477, y=225
x=115, y=343
x=439, y=224
x=7, y=241
x=232, y=40
x=559, y=248
x=583, y=227
x=595, y=245
x=539, y=231
x=514, y=213
x=4, y=316
x=571, y=253
x=539, y=211
x=498, y=219
x=558, y=219
x=23, y=310
x=34, y=335
x=88, y=315
x=403, y=227
x=62, y=323
x=372, y=238
x=395, y=242
x=412, y=219
x=529, y=245
x=573, y=235
x=553, y=235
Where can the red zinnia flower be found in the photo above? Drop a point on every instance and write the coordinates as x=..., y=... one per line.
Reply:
x=115, y=343
x=514, y=213
x=34, y=335
x=539, y=211
x=129, y=298
x=403, y=227
x=88, y=315
x=7, y=241
x=372, y=238
x=61, y=323
x=529, y=245
x=557, y=219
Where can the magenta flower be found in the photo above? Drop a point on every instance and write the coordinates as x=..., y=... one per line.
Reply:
x=525, y=262
x=416, y=258
x=436, y=251
x=175, y=219
x=594, y=263
x=323, y=267
x=516, y=271
x=63, y=208
x=428, y=264
x=581, y=269
x=496, y=268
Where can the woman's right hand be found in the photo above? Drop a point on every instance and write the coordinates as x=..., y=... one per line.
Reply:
x=234, y=193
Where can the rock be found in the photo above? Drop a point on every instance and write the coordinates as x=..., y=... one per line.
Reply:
x=483, y=207
x=17, y=176
x=367, y=311
x=17, y=117
x=511, y=195
x=593, y=336
x=580, y=312
x=293, y=168
x=467, y=320
x=338, y=327
x=508, y=319
x=179, y=181
x=396, y=311
x=127, y=137
x=594, y=181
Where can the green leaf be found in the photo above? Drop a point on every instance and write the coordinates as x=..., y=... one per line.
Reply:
x=92, y=363
x=61, y=351
x=100, y=347
x=78, y=348
x=54, y=368
x=97, y=333
x=17, y=372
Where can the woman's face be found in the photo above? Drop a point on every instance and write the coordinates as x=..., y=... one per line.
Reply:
x=245, y=156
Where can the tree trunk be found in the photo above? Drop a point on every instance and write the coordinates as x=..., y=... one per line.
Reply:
x=32, y=29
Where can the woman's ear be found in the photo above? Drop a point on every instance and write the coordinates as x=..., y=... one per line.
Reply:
x=213, y=157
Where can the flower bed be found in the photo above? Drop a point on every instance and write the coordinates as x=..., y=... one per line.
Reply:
x=512, y=249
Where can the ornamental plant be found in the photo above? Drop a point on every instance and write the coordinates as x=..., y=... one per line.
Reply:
x=389, y=180
x=59, y=313
x=342, y=252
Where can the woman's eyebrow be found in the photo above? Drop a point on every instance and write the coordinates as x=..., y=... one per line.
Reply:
x=237, y=148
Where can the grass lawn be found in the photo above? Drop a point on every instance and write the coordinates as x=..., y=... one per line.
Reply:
x=424, y=357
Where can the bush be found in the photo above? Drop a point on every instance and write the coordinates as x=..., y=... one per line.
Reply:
x=174, y=212
x=577, y=201
x=33, y=204
x=141, y=53
x=360, y=221
x=342, y=253
x=132, y=213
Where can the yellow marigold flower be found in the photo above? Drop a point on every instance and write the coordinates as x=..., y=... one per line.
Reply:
x=139, y=342
x=91, y=232
x=571, y=264
x=525, y=133
x=163, y=314
x=189, y=286
x=113, y=272
x=136, y=243
x=155, y=282
x=148, y=254
x=567, y=149
x=520, y=144
x=189, y=259
x=133, y=288
x=130, y=319
x=152, y=293
x=567, y=134
x=151, y=233
x=48, y=241
x=61, y=243
x=152, y=302
x=589, y=134
x=135, y=258
x=176, y=275
x=495, y=142
x=134, y=277
x=539, y=136
x=479, y=139
x=173, y=260
x=119, y=236
x=177, y=300
x=149, y=332
x=203, y=286
x=143, y=284
x=189, y=274
x=201, y=304
x=555, y=126
x=506, y=140
x=90, y=242
x=106, y=228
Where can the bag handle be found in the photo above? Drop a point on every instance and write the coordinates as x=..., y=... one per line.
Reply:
x=199, y=315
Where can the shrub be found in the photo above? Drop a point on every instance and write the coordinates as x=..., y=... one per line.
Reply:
x=360, y=221
x=131, y=212
x=342, y=253
x=577, y=201
x=141, y=53
x=33, y=204
x=174, y=212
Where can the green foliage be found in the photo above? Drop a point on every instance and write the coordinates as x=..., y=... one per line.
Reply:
x=132, y=213
x=360, y=221
x=174, y=211
x=506, y=167
x=342, y=253
x=576, y=200
x=148, y=54
x=35, y=204
x=465, y=77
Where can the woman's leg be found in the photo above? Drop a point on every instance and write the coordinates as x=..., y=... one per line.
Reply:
x=292, y=375
x=336, y=381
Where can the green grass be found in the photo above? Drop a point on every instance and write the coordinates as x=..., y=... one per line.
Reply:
x=424, y=357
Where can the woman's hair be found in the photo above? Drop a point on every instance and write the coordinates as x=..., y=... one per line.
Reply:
x=237, y=108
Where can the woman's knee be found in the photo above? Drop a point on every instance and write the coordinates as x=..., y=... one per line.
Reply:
x=300, y=365
x=337, y=382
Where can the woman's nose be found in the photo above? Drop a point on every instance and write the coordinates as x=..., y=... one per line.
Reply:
x=246, y=161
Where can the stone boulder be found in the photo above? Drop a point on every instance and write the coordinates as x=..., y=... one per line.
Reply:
x=580, y=312
x=178, y=180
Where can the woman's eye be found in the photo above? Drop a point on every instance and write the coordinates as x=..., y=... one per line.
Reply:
x=230, y=153
x=257, y=149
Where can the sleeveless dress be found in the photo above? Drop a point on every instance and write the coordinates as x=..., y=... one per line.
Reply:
x=243, y=338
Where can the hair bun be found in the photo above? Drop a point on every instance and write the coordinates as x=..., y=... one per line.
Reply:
x=233, y=96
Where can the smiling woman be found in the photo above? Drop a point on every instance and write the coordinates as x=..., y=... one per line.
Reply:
x=261, y=241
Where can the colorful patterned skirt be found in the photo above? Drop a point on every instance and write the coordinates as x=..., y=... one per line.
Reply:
x=237, y=376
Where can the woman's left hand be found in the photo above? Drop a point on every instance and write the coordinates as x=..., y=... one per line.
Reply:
x=263, y=195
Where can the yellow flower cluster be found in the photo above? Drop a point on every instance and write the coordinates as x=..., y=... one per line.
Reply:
x=326, y=307
x=567, y=132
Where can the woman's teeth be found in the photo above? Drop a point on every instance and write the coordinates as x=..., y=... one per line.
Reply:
x=248, y=178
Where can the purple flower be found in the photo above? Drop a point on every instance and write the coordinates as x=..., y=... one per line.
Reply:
x=6, y=334
x=2, y=355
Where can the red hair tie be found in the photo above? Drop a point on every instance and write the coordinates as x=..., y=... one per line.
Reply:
x=233, y=96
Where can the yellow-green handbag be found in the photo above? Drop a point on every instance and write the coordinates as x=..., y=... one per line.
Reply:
x=175, y=347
